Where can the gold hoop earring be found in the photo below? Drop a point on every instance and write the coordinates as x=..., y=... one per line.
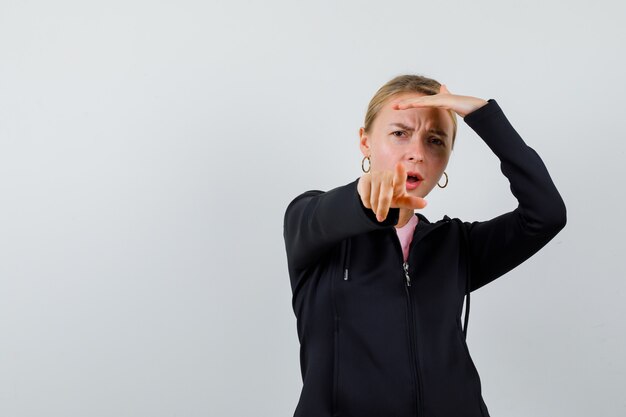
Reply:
x=369, y=164
x=446, y=184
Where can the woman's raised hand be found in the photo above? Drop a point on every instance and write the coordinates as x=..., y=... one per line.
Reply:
x=380, y=190
x=462, y=105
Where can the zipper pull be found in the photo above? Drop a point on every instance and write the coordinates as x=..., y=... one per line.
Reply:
x=406, y=274
x=345, y=274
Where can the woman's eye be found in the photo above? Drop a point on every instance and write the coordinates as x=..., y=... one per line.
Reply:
x=437, y=141
x=398, y=131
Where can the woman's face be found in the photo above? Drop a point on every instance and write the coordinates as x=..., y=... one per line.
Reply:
x=421, y=138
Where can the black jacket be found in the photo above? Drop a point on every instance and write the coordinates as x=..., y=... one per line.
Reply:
x=383, y=338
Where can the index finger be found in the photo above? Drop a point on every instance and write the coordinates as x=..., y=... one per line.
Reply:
x=411, y=202
x=399, y=179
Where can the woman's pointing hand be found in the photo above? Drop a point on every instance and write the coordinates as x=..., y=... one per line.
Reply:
x=381, y=190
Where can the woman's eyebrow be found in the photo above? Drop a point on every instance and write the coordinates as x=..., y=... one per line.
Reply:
x=401, y=126
x=439, y=132
x=432, y=130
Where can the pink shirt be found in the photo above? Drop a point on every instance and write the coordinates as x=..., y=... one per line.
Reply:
x=405, y=234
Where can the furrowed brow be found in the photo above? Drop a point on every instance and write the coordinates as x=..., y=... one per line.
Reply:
x=435, y=131
x=401, y=126
x=439, y=132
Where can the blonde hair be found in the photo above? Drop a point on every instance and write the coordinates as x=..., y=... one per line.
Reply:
x=404, y=84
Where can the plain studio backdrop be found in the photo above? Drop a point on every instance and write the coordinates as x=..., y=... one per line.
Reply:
x=149, y=149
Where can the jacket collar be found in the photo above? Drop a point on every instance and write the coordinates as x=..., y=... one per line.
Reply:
x=425, y=225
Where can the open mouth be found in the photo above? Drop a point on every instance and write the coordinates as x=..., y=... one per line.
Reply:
x=413, y=178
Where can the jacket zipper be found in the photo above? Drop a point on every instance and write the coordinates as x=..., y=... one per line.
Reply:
x=406, y=273
x=411, y=324
x=413, y=345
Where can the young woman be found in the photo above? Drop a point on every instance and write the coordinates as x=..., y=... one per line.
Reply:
x=377, y=288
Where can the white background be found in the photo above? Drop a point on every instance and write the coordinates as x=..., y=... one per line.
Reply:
x=148, y=150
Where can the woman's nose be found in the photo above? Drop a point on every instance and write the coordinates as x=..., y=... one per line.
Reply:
x=416, y=153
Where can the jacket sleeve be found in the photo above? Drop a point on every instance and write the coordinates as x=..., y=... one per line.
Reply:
x=315, y=221
x=500, y=244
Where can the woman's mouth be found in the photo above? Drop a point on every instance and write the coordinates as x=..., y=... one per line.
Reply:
x=413, y=180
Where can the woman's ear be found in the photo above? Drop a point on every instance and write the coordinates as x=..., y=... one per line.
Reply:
x=364, y=142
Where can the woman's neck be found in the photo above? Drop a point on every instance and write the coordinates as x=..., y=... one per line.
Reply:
x=405, y=216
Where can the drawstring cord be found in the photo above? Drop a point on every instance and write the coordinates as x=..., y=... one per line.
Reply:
x=469, y=278
x=346, y=260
